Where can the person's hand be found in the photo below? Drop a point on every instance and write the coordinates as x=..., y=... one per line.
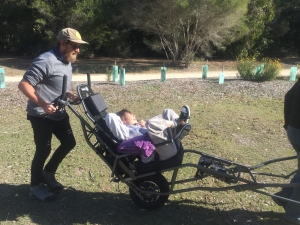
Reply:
x=49, y=108
x=73, y=98
x=182, y=122
x=142, y=123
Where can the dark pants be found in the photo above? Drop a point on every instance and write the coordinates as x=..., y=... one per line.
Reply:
x=42, y=131
x=292, y=210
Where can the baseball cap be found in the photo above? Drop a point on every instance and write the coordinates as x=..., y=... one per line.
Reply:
x=71, y=35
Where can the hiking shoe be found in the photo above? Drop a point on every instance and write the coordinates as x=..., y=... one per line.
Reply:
x=185, y=114
x=182, y=132
x=280, y=201
x=50, y=180
x=41, y=193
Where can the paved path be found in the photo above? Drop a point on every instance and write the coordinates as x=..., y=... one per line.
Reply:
x=150, y=76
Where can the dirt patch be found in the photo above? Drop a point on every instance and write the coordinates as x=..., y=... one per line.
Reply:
x=103, y=65
x=15, y=66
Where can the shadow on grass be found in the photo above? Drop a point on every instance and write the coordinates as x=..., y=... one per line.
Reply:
x=77, y=207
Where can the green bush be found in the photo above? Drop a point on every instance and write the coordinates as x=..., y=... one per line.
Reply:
x=246, y=65
x=246, y=69
x=251, y=69
x=272, y=68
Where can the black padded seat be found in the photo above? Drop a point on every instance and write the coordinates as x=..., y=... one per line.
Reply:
x=157, y=165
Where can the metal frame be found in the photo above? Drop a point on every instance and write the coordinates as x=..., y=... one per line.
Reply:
x=230, y=172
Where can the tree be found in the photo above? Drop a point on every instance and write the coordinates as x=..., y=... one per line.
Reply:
x=285, y=28
x=84, y=16
x=252, y=33
x=185, y=27
x=19, y=27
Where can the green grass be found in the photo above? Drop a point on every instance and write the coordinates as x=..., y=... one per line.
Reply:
x=237, y=127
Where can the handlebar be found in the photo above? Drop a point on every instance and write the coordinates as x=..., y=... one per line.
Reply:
x=64, y=87
x=88, y=79
x=62, y=101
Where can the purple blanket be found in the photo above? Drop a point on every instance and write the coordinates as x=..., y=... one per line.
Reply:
x=137, y=145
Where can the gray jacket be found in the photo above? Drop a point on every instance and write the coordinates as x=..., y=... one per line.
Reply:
x=46, y=76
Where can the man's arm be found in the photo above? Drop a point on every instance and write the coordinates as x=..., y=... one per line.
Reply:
x=27, y=89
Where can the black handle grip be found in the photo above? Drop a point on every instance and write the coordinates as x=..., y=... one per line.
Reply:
x=64, y=88
x=88, y=79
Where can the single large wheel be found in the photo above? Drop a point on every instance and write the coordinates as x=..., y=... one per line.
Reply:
x=156, y=183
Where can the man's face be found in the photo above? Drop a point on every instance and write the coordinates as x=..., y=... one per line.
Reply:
x=129, y=118
x=69, y=51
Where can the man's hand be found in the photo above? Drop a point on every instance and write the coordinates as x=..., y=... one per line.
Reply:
x=49, y=108
x=73, y=98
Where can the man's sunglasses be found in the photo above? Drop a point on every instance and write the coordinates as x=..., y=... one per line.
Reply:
x=74, y=46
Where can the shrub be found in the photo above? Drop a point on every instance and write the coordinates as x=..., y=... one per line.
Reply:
x=108, y=74
x=272, y=68
x=246, y=66
x=245, y=69
x=250, y=69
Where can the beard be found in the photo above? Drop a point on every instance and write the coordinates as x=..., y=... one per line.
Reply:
x=70, y=57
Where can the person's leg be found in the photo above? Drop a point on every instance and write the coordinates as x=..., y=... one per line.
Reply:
x=293, y=136
x=181, y=129
x=64, y=134
x=292, y=210
x=157, y=130
x=156, y=127
x=169, y=114
x=42, y=137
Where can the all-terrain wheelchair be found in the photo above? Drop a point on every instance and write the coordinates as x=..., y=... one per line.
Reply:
x=148, y=187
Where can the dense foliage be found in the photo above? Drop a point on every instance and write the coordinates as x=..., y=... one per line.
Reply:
x=178, y=30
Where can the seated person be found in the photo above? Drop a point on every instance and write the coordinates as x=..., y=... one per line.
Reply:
x=124, y=126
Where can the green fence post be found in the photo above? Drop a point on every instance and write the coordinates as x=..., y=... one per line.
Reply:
x=115, y=73
x=163, y=72
x=2, y=78
x=293, y=73
x=122, y=77
x=221, y=76
x=204, y=71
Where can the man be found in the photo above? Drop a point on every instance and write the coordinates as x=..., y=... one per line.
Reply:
x=292, y=126
x=42, y=85
x=124, y=126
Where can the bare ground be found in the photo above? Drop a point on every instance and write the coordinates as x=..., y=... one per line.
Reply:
x=16, y=66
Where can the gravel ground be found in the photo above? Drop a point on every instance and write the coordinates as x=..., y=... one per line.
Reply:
x=207, y=89
x=191, y=89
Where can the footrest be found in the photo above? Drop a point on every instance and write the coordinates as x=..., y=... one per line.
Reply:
x=211, y=164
